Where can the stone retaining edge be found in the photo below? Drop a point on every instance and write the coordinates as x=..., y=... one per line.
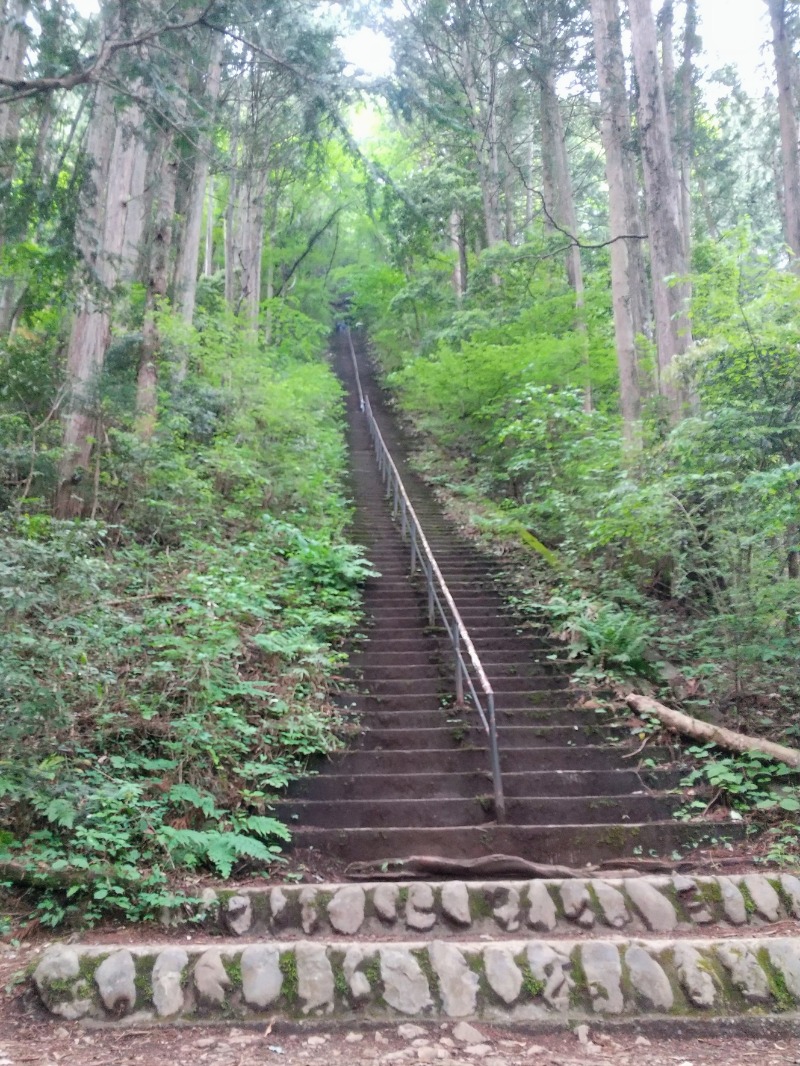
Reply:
x=387, y=909
x=514, y=980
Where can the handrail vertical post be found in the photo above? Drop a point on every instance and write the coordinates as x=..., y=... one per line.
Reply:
x=431, y=601
x=413, y=549
x=459, y=677
x=497, y=777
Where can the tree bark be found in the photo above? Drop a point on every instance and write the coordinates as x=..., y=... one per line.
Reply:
x=160, y=246
x=686, y=120
x=666, y=20
x=457, y=243
x=13, y=42
x=560, y=207
x=482, y=118
x=91, y=328
x=208, y=255
x=667, y=257
x=783, y=49
x=186, y=267
x=628, y=277
x=251, y=211
x=108, y=236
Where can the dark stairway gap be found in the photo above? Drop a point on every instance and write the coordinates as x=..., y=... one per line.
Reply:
x=417, y=780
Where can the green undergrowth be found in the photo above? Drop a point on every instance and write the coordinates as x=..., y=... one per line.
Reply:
x=166, y=665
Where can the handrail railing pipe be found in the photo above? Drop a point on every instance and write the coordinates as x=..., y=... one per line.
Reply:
x=439, y=598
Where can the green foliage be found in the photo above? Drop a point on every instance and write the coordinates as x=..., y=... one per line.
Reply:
x=688, y=544
x=165, y=676
x=611, y=641
x=751, y=781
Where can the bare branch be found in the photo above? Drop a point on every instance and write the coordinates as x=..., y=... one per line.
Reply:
x=22, y=88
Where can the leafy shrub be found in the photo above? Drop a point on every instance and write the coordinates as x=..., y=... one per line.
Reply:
x=166, y=666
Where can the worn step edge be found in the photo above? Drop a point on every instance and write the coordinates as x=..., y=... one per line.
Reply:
x=421, y=785
x=571, y=844
x=525, y=979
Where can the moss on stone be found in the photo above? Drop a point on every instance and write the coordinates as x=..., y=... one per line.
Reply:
x=260, y=908
x=531, y=986
x=143, y=980
x=421, y=955
x=233, y=968
x=710, y=892
x=61, y=989
x=372, y=971
x=784, y=999
x=288, y=967
x=580, y=984
x=749, y=902
x=340, y=985
x=480, y=906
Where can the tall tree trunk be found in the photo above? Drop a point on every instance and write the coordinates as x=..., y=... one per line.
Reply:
x=530, y=181
x=667, y=257
x=249, y=228
x=186, y=267
x=560, y=207
x=628, y=280
x=159, y=246
x=481, y=116
x=230, y=213
x=91, y=328
x=686, y=120
x=108, y=234
x=457, y=244
x=666, y=21
x=13, y=42
x=783, y=49
x=208, y=256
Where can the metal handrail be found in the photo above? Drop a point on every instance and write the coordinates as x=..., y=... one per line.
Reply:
x=411, y=529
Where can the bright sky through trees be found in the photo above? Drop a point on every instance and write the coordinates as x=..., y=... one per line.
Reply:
x=734, y=32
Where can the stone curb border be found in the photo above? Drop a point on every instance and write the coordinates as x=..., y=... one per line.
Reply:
x=634, y=904
x=522, y=980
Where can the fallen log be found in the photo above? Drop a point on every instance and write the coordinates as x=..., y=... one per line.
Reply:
x=712, y=734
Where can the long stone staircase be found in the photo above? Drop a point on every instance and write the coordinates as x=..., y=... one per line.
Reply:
x=416, y=787
x=419, y=782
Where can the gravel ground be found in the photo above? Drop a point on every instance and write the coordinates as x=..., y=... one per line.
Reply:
x=30, y=1040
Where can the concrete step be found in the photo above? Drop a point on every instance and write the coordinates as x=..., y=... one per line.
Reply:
x=474, y=811
x=472, y=756
x=521, y=662
x=448, y=716
x=476, y=783
x=509, y=736
x=426, y=680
